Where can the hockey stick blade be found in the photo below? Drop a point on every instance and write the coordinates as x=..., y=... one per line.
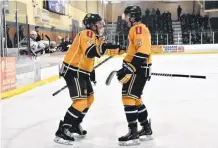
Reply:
x=110, y=77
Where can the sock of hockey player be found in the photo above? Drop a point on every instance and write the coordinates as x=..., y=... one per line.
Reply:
x=64, y=134
x=79, y=130
x=131, y=138
x=146, y=132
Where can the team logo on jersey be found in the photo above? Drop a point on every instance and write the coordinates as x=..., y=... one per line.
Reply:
x=139, y=43
x=89, y=42
x=89, y=34
x=138, y=30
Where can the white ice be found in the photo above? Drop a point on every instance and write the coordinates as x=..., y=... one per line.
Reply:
x=183, y=111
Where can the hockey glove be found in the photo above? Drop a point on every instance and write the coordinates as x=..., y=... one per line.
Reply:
x=109, y=49
x=125, y=73
x=92, y=77
x=122, y=50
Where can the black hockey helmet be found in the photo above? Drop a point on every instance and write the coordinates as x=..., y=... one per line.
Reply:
x=134, y=13
x=91, y=19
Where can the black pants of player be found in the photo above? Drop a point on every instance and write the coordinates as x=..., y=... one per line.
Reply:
x=81, y=93
x=134, y=87
x=132, y=101
x=79, y=88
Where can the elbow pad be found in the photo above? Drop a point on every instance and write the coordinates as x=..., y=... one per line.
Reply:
x=91, y=52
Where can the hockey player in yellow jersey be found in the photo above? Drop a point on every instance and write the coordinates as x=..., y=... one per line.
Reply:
x=76, y=69
x=133, y=75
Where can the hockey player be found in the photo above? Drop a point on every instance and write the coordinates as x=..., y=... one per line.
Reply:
x=133, y=75
x=76, y=68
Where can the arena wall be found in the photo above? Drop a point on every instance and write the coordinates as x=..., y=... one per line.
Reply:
x=118, y=8
x=31, y=72
x=60, y=25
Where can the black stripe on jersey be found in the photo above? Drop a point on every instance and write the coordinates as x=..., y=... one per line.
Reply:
x=139, y=59
x=91, y=51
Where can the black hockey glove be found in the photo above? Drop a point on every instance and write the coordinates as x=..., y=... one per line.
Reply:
x=122, y=50
x=92, y=77
x=125, y=73
x=109, y=49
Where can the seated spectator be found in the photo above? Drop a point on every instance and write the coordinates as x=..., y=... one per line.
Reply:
x=38, y=38
x=66, y=44
x=9, y=42
x=21, y=35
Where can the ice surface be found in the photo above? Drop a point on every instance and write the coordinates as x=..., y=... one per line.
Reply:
x=183, y=111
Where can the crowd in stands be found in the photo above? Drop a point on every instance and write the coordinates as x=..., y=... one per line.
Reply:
x=194, y=27
x=160, y=26
x=38, y=44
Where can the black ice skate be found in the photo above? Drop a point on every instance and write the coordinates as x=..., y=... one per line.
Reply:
x=132, y=138
x=79, y=132
x=146, y=132
x=64, y=135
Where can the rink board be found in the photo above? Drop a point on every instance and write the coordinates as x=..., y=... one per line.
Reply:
x=51, y=62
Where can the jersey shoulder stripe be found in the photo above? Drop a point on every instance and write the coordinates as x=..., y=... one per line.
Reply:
x=138, y=29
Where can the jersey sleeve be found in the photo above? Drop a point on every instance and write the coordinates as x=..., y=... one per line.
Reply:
x=88, y=44
x=142, y=43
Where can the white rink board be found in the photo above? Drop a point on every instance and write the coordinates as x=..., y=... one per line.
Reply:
x=195, y=48
x=183, y=110
x=201, y=48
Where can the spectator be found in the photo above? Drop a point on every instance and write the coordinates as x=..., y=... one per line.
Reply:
x=168, y=15
x=158, y=12
x=38, y=38
x=66, y=44
x=206, y=18
x=9, y=42
x=153, y=13
x=21, y=35
x=147, y=12
x=179, y=11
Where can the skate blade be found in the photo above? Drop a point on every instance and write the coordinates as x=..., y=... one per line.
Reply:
x=78, y=136
x=129, y=143
x=62, y=141
x=145, y=138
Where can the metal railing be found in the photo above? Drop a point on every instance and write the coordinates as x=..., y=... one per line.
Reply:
x=206, y=37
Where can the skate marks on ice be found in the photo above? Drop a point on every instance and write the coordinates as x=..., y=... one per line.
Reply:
x=41, y=135
x=11, y=142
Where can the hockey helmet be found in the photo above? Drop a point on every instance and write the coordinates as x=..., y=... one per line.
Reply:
x=91, y=19
x=134, y=13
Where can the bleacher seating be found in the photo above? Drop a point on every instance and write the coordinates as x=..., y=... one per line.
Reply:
x=194, y=27
x=160, y=27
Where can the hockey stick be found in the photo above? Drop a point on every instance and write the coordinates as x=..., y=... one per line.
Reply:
x=58, y=91
x=49, y=42
x=111, y=75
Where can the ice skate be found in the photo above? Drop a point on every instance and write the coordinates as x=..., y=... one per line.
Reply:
x=146, y=132
x=64, y=135
x=132, y=138
x=79, y=132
